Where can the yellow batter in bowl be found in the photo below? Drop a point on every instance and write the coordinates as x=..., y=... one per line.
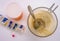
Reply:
x=47, y=19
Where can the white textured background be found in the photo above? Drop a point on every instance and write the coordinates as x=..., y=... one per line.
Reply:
x=5, y=35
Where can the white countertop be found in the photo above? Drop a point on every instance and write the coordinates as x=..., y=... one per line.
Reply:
x=5, y=34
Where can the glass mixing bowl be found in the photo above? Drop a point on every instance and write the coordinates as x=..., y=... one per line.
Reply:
x=48, y=22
